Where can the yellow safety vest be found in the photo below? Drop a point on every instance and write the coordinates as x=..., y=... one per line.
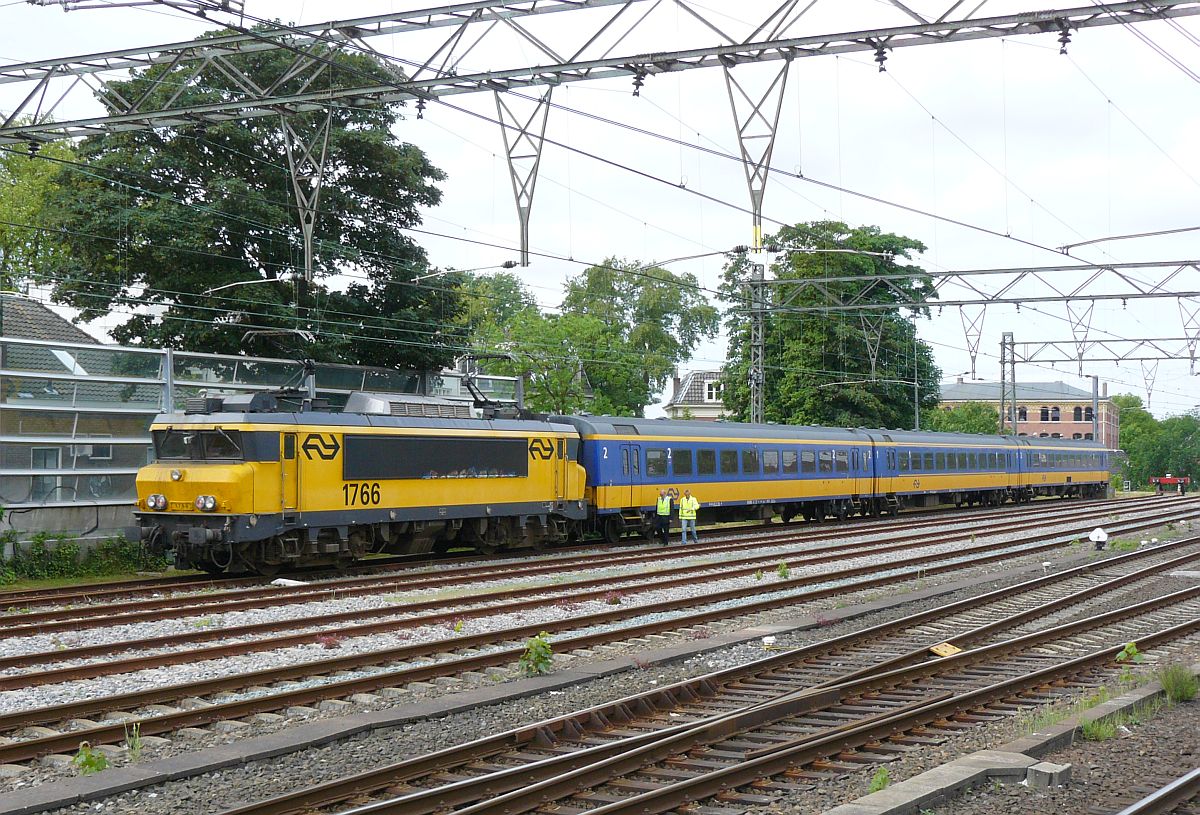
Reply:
x=664, y=505
x=688, y=507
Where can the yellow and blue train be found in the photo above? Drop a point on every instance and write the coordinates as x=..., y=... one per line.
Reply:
x=263, y=482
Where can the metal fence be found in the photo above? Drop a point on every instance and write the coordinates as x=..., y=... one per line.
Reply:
x=75, y=418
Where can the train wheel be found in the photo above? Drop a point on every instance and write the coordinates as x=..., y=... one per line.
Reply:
x=614, y=527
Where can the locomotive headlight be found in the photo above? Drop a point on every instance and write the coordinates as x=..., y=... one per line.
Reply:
x=206, y=503
x=156, y=501
x=176, y=475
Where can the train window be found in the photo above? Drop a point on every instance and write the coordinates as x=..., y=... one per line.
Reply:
x=681, y=462
x=656, y=461
x=928, y=462
x=561, y=449
x=635, y=459
x=790, y=460
x=962, y=461
x=903, y=461
x=624, y=461
x=729, y=462
x=993, y=461
x=939, y=461
x=749, y=460
x=808, y=461
x=826, y=461
x=972, y=462
x=842, y=457
x=289, y=445
x=951, y=461
x=706, y=462
x=770, y=460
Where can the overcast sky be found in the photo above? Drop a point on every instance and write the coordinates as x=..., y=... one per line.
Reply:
x=1007, y=135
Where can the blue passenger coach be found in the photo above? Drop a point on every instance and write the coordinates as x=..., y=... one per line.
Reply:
x=743, y=471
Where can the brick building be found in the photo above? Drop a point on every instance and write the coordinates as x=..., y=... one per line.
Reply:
x=1047, y=409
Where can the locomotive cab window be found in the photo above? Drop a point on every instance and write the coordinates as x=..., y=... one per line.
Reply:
x=289, y=445
x=706, y=461
x=656, y=462
x=198, y=445
x=681, y=461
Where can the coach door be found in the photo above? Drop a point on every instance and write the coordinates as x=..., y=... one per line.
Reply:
x=631, y=471
x=289, y=468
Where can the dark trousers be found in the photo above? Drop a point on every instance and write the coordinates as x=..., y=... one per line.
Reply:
x=662, y=527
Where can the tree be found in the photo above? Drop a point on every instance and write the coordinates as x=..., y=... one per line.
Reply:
x=654, y=319
x=27, y=182
x=554, y=352
x=1155, y=448
x=970, y=417
x=821, y=368
x=158, y=218
x=492, y=301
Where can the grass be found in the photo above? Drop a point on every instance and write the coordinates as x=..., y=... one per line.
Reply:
x=1179, y=683
x=880, y=780
x=1107, y=727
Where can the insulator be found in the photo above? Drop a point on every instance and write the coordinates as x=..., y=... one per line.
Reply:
x=880, y=58
x=1064, y=38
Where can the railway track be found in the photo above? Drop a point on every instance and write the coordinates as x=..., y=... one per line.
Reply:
x=24, y=622
x=754, y=733
x=1180, y=796
x=94, y=595
x=397, y=666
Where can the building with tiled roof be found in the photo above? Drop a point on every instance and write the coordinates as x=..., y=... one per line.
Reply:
x=1046, y=409
x=696, y=395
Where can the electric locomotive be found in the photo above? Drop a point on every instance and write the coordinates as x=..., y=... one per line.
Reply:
x=257, y=483
x=250, y=483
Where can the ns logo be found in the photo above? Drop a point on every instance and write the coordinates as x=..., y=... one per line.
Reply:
x=541, y=449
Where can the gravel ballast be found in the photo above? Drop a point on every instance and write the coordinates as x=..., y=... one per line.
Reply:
x=219, y=790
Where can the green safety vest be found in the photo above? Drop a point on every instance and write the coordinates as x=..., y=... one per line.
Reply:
x=664, y=505
x=688, y=507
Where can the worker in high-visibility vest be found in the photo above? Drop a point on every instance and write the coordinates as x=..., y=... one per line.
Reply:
x=687, y=515
x=662, y=516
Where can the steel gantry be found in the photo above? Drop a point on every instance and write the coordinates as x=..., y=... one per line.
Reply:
x=441, y=71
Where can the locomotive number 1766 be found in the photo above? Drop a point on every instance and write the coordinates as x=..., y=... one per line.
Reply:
x=361, y=494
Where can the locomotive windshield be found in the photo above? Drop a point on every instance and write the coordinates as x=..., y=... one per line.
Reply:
x=198, y=445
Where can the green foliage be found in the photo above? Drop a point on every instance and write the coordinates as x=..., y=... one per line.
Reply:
x=133, y=741
x=88, y=760
x=159, y=217
x=47, y=557
x=622, y=330
x=27, y=248
x=880, y=780
x=1154, y=447
x=1100, y=729
x=758, y=574
x=819, y=365
x=1179, y=683
x=782, y=570
x=969, y=417
x=1123, y=545
x=538, y=655
x=1131, y=654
